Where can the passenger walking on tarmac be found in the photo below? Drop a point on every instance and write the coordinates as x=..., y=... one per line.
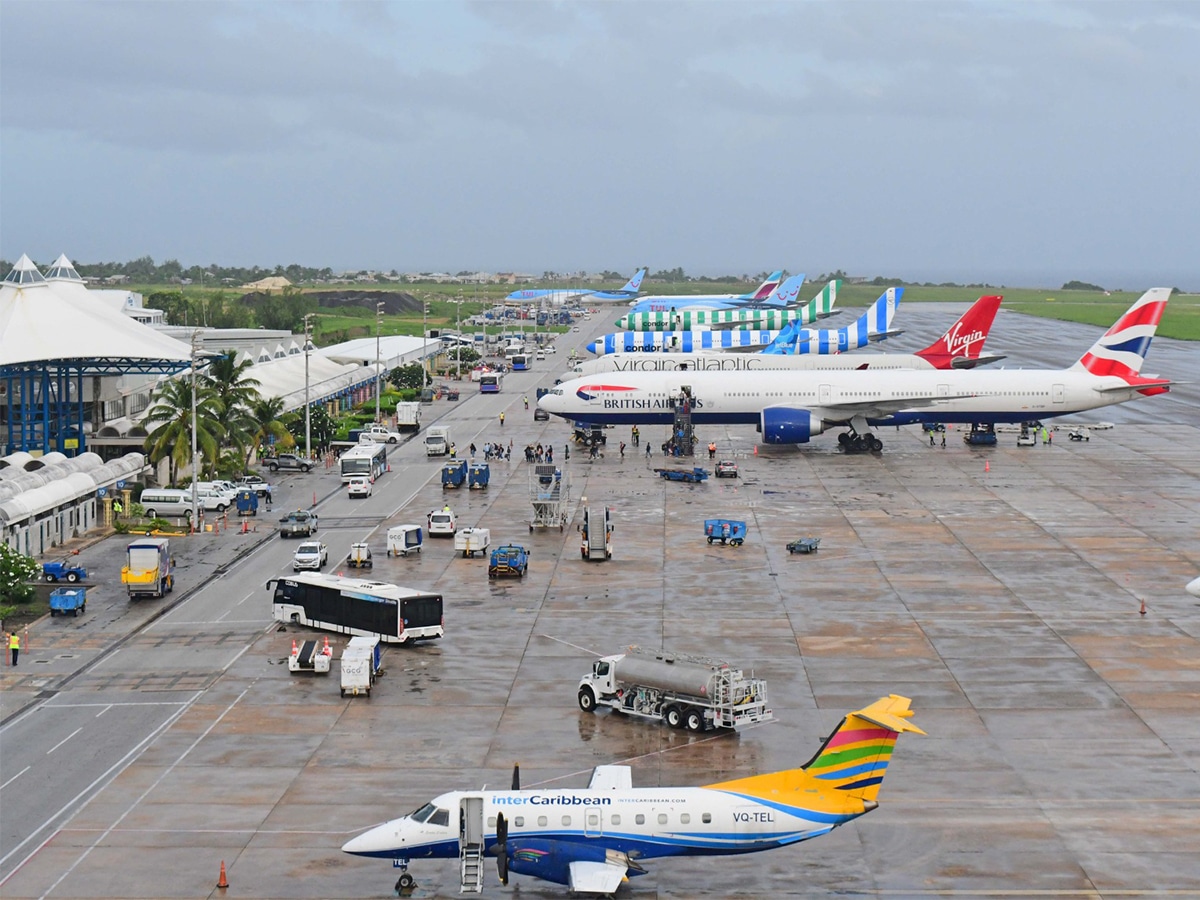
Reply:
x=594, y=451
x=647, y=450
x=472, y=449
x=567, y=451
x=622, y=449
x=549, y=454
x=14, y=644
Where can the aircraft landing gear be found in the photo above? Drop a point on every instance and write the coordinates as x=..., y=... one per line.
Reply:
x=852, y=442
x=405, y=884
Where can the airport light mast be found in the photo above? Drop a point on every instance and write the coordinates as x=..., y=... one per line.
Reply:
x=307, y=409
x=378, y=372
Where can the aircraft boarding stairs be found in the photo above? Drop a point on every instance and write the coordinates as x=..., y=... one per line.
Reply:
x=684, y=433
x=470, y=845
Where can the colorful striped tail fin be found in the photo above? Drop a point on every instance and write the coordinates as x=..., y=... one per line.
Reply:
x=824, y=302
x=764, y=290
x=855, y=757
x=786, y=294
x=1122, y=349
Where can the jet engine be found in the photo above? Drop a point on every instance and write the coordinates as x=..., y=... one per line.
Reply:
x=785, y=425
x=550, y=860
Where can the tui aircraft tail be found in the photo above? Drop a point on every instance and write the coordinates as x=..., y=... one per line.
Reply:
x=764, y=290
x=961, y=345
x=1122, y=349
x=786, y=294
x=634, y=284
x=855, y=757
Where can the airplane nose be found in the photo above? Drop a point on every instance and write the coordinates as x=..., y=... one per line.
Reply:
x=548, y=403
x=591, y=348
x=382, y=839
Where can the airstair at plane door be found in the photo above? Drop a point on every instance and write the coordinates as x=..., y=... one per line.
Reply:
x=683, y=432
x=470, y=845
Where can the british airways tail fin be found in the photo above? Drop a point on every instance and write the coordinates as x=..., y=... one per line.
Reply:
x=1122, y=349
x=764, y=290
x=960, y=347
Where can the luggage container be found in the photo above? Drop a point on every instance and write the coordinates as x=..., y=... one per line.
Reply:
x=247, y=502
x=728, y=531
x=472, y=540
x=360, y=665
x=68, y=601
x=404, y=539
x=360, y=556
x=454, y=474
x=479, y=476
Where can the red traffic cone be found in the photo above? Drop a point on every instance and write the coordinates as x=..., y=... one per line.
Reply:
x=222, y=882
x=987, y=465
x=1142, y=611
x=295, y=649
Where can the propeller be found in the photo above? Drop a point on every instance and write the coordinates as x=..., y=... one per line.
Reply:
x=502, y=848
x=516, y=784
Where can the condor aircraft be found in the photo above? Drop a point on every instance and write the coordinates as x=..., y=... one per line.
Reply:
x=559, y=296
x=873, y=325
x=790, y=407
x=763, y=295
x=959, y=348
x=819, y=307
x=592, y=839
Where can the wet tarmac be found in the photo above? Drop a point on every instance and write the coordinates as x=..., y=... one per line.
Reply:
x=1001, y=589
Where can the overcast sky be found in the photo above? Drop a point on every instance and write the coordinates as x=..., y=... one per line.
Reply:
x=1015, y=143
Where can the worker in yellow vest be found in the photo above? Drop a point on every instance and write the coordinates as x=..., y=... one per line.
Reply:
x=14, y=644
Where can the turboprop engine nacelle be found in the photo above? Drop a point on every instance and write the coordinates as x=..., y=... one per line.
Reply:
x=783, y=425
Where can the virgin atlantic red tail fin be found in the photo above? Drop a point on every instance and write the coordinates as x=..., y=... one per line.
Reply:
x=960, y=347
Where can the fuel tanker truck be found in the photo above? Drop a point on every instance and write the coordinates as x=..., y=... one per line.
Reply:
x=685, y=691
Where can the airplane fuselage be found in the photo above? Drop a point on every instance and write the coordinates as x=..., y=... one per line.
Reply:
x=882, y=398
x=745, y=362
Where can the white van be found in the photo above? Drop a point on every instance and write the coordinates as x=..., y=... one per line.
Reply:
x=166, y=502
x=213, y=497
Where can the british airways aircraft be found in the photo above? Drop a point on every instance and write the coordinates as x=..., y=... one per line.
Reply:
x=763, y=295
x=772, y=316
x=592, y=839
x=872, y=325
x=559, y=296
x=790, y=407
x=961, y=347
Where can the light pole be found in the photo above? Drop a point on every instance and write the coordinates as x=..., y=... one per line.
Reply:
x=424, y=342
x=458, y=336
x=195, y=472
x=378, y=373
x=307, y=410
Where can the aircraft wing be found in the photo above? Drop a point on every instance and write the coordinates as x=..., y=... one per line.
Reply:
x=970, y=362
x=611, y=778
x=875, y=409
x=596, y=877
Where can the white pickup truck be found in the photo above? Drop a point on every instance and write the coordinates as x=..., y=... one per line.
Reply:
x=381, y=434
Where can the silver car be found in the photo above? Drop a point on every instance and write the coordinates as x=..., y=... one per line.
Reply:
x=310, y=555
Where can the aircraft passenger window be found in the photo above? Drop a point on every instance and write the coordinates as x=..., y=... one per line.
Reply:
x=662, y=818
x=491, y=821
x=542, y=821
x=640, y=819
x=519, y=822
x=566, y=820
x=684, y=818
x=706, y=818
x=593, y=819
x=440, y=817
x=615, y=819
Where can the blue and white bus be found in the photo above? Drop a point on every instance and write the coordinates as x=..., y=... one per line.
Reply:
x=396, y=615
x=365, y=460
x=519, y=362
x=490, y=382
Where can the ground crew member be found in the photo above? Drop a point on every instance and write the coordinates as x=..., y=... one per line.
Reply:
x=501, y=420
x=943, y=440
x=635, y=434
x=931, y=439
x=526, y=399
x=453, y=451
x=14, y=644
x=712, y=450
x=117, y=510
x=446, y=508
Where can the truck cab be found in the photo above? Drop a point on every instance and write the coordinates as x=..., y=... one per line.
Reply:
x=600, y=679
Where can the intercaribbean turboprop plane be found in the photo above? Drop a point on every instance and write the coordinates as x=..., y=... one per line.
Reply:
x=592, y=839
x=961, y=347
x=559, y=296
x=782, y=309
x=790, y=407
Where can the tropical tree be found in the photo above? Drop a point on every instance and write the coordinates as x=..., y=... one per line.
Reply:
x=235, y=391
x=171, y=414
x=412, y=377
x=16, y=571
x=271, y=429
x=320, y=425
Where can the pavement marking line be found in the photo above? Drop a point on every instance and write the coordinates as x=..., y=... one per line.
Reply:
x=103, y=711
x=64, y=740
x=146, y=793
x=551, y=637
x=124, y=760
x=15, y=777
x=106, y=706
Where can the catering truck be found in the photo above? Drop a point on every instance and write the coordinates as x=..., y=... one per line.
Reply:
x=147, y=571
x=684, y=691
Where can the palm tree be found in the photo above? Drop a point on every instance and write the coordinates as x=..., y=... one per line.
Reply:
x=172, y=412
x=267, y=414
x=236, y=392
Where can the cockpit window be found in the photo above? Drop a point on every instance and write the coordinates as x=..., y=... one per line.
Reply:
x=423, y=814
x=440, y=817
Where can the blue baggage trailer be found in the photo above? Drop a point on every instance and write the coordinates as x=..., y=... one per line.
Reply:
x=511, y=559
x=247, y=502
x=68, y=601
x=454, y=474
x=693, y=475
x=479, y=476
x=725, y=530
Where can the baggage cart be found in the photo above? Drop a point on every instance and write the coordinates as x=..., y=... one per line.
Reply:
x=549, y=492
x=472, y=540
x=510, y=559
x=478, y=476
x=247, y=502
x=454, y=474
x=360, y=665
x=63, y=571
x=804, y=545
x=728, y=531
x=404, y=539
x=692, y=476
x=68, y=601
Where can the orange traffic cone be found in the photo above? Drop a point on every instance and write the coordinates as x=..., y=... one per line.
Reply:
x=222, y=882
x=1142, y=611
x=327, y=650
x=987, y=465
x=756, y=449
x=295, y=649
